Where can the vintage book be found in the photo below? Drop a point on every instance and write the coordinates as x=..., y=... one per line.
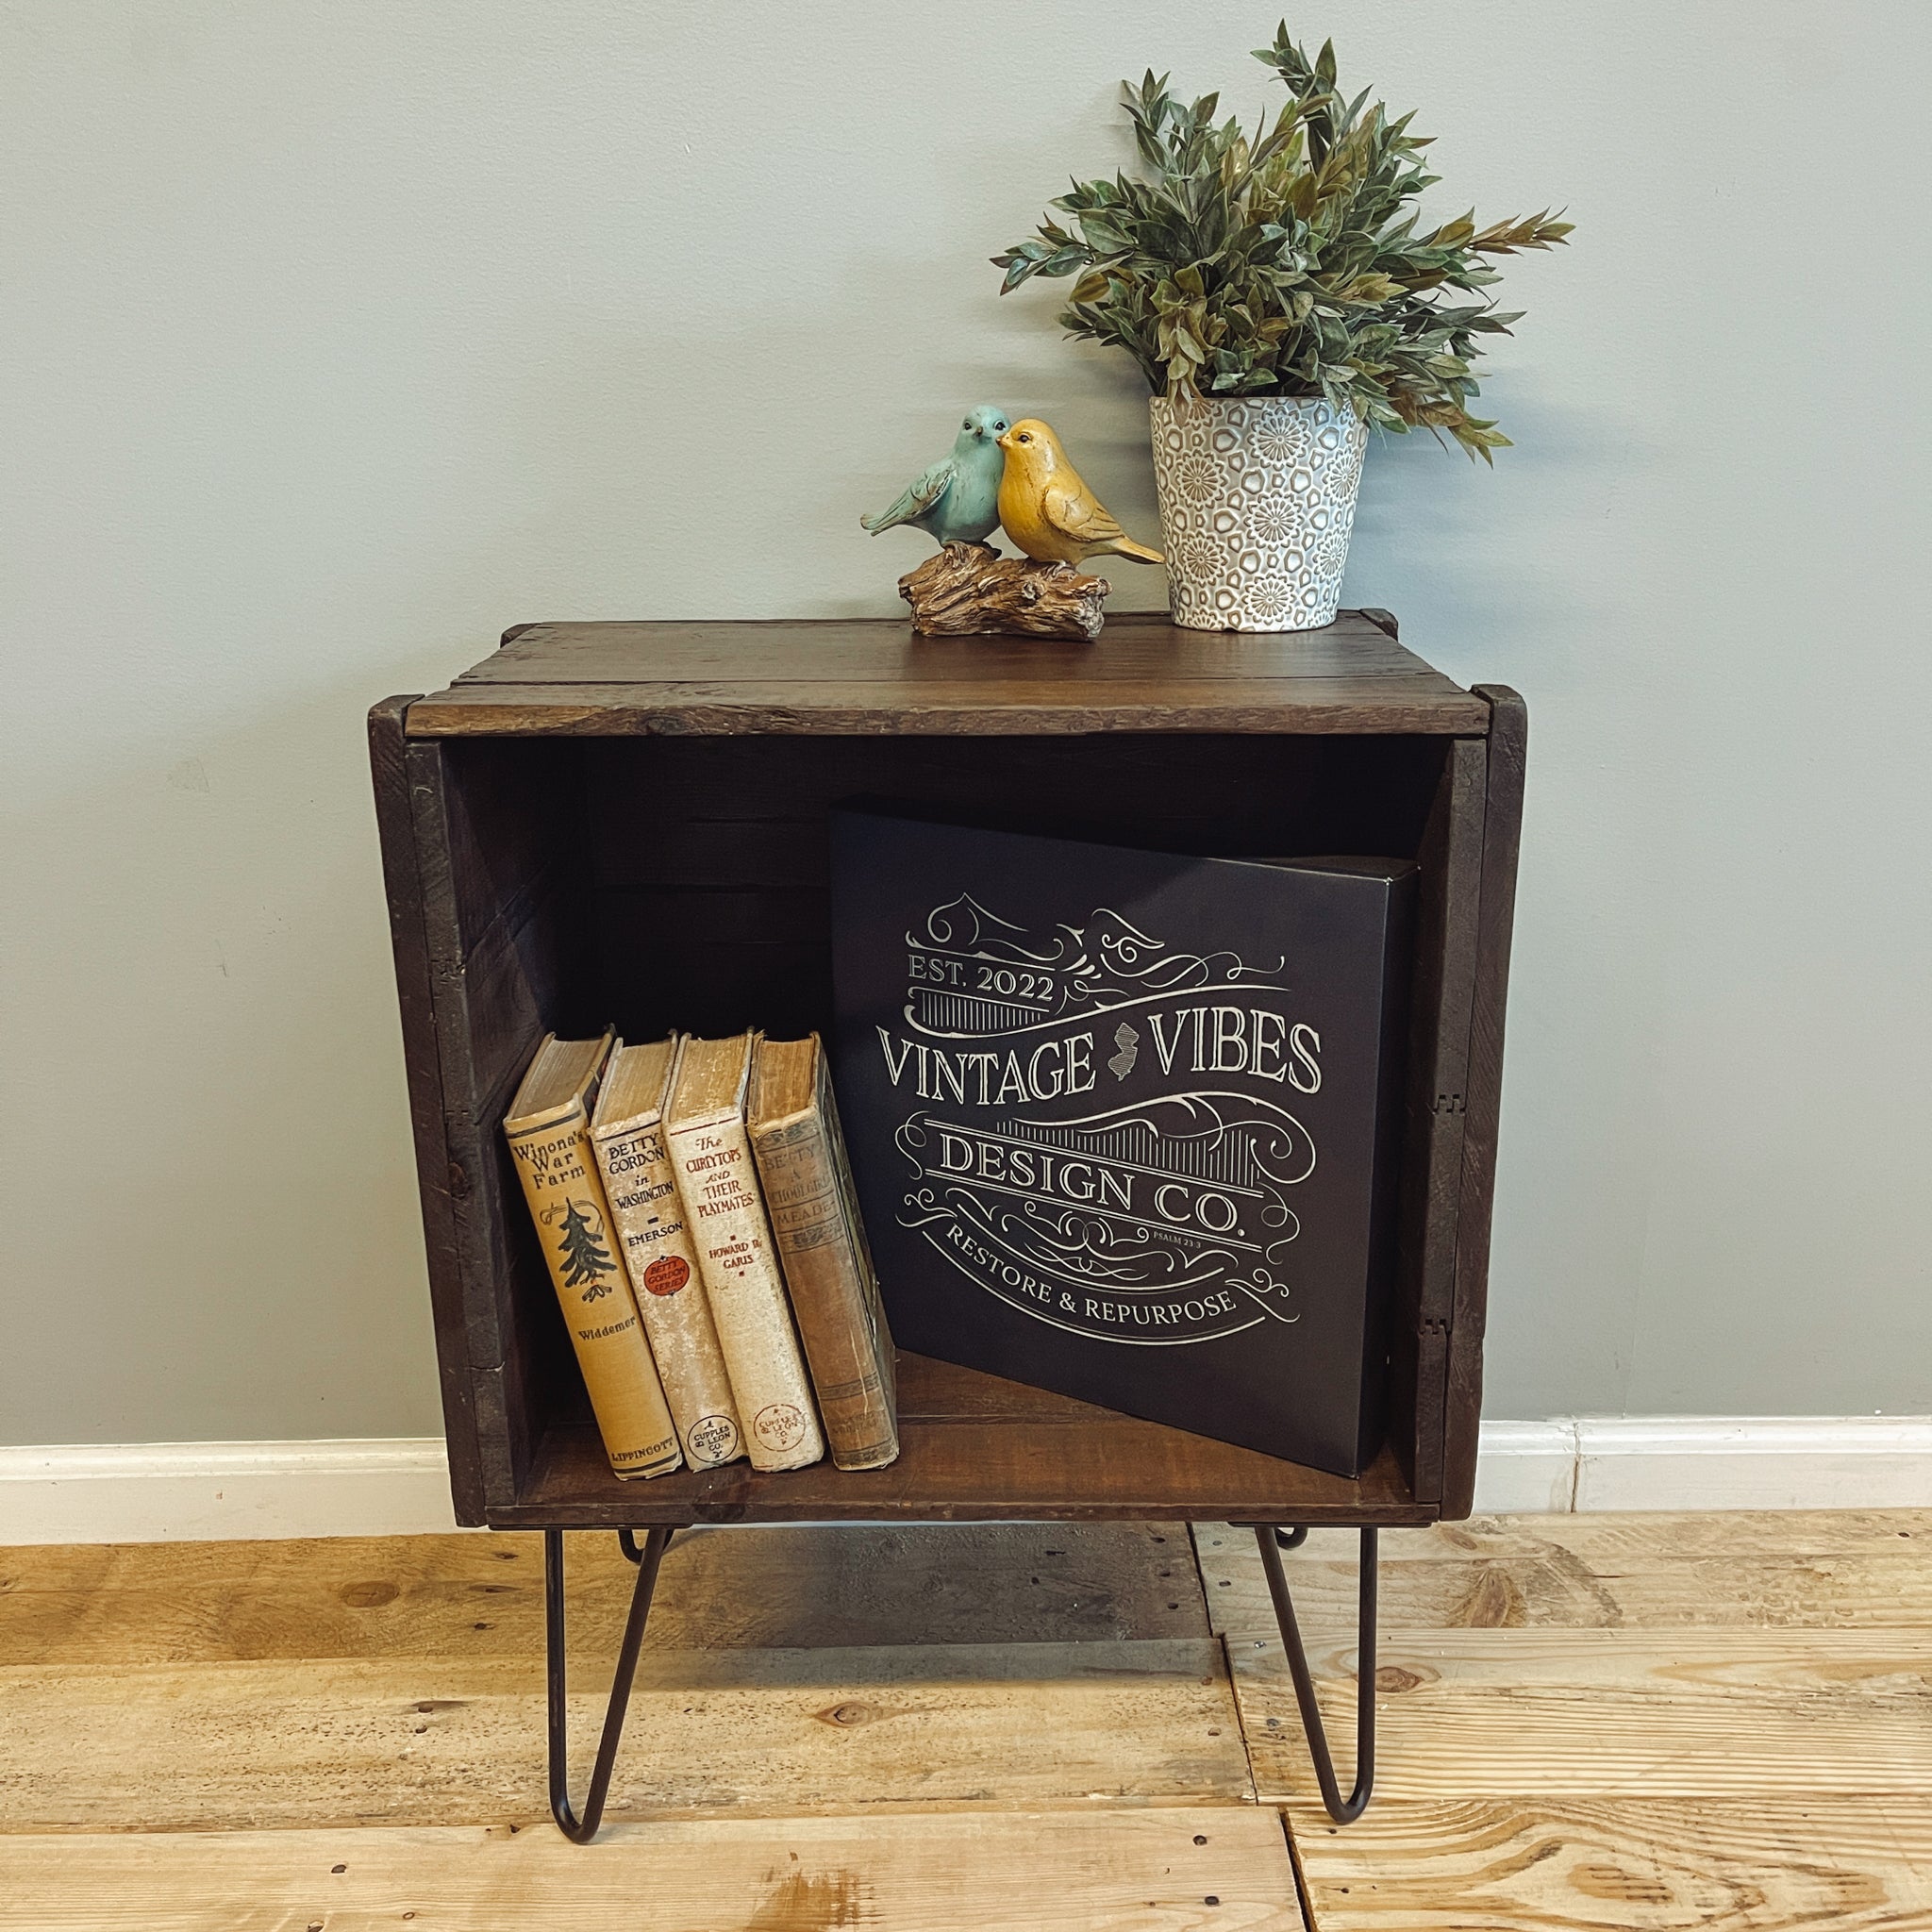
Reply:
x=628, y=1136
x=711, y=1162
x=1124, y=1123
x=549, y=1132
x=793, y=1124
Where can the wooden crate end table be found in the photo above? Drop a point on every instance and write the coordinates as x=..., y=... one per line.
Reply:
x=625, y=824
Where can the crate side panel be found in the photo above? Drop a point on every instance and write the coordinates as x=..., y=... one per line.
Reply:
x=1508, y=746
x=1435, y=1106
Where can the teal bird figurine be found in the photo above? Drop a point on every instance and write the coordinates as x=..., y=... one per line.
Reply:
x=958, y=499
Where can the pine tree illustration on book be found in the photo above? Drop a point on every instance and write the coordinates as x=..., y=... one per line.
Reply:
x=584, y=1258
x=548, y=1128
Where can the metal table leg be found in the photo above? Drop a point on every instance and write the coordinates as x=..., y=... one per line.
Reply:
x=1272, y=1540
x=582, y=1830
x=1344, y=1810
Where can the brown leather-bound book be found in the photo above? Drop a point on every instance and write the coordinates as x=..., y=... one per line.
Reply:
x=549, y=1132
x=801, y=1154
x=711, y=1162
x=628, y=1136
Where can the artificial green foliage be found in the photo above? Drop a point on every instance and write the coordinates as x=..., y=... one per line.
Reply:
x=1287, y=264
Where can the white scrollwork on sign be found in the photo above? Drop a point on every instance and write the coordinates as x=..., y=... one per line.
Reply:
x=974, y=974
x=1160, y=1219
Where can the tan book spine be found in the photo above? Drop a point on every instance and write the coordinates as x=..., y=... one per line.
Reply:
x=833, y=1291
x=669, y=1291
x=553, y=1156
x=711, y=1161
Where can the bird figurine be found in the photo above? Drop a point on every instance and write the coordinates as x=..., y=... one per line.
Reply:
x=957, y=500
x=1048, y=509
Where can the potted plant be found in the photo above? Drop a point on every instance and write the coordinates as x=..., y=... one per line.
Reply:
x=1278, y=296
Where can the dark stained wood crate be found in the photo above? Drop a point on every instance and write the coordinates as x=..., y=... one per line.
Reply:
x=626, y=823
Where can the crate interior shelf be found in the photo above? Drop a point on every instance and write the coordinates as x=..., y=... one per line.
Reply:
x=626, y=823
x=977, y=1448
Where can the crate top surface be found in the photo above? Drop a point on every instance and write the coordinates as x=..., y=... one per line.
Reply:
x=868, y=675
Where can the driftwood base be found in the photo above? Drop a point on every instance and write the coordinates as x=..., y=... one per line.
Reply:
x=969, y=588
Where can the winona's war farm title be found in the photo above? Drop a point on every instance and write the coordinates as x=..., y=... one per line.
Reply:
x=1122, y=1121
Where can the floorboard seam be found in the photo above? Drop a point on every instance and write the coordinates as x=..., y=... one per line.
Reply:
x=1301, y=1899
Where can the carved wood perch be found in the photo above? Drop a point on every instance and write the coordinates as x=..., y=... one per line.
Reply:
x=969, y=587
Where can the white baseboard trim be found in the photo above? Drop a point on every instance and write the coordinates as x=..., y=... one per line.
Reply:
x=183, y=1491
x=1526, y=1469
x=1706, y=1462
x=147, y=1492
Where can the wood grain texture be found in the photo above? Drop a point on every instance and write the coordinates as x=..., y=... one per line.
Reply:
x=467, y=1597
x=1149, y=1871
x=1716, y=1722
x=785, y=1732
x=1355, y=706
x=1507, y=750
x=464, y=1168
x=395, y=825
x=1818, y=1569
x=758, y=805
x=1600, y=1723
x=1137, y=644
x=1611, y=1542
x=499, y=880
x=1771, y=1863
x=968, y=590
x=1654, y=1713
x=540, y=909
x=1430, y=1190
x=1142, y=674
x=1000, y=1451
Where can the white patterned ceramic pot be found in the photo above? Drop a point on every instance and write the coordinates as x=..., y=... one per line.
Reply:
x=1256, y=502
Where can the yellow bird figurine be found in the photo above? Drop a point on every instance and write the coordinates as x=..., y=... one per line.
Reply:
x=1048, y=509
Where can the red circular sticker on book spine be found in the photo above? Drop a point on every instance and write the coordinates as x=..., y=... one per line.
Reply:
x=666, y=1277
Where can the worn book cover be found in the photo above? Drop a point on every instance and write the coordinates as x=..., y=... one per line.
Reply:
x=628, y=1136
x=1123, y=1122
x=793, y=1123
x=548, y=1128
x=725, y=1210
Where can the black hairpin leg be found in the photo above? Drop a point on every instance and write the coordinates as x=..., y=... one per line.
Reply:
x=581, y=1831
x=1344, y=1810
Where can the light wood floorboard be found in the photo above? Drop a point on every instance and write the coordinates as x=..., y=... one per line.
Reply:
x=1833, y=1568
x=1154, y=1870
x=1636, y=1712
x=1613, y=1723
x=785, y=1732
x=1838, y=1864
x=477, y=1597
x=1591, y=1723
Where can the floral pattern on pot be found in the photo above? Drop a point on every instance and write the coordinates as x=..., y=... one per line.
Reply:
x=1257, y=503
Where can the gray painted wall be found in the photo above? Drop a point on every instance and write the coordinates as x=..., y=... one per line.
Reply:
x=340, y=338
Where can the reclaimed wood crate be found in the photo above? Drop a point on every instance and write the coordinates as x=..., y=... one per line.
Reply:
x=625, y=824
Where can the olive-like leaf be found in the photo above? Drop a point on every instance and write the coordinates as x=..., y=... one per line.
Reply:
x=1284, y=262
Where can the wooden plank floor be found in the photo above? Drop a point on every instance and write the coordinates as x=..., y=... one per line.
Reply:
x=1152, y=1870
x=1611, y=1722
x=1001, y=1726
